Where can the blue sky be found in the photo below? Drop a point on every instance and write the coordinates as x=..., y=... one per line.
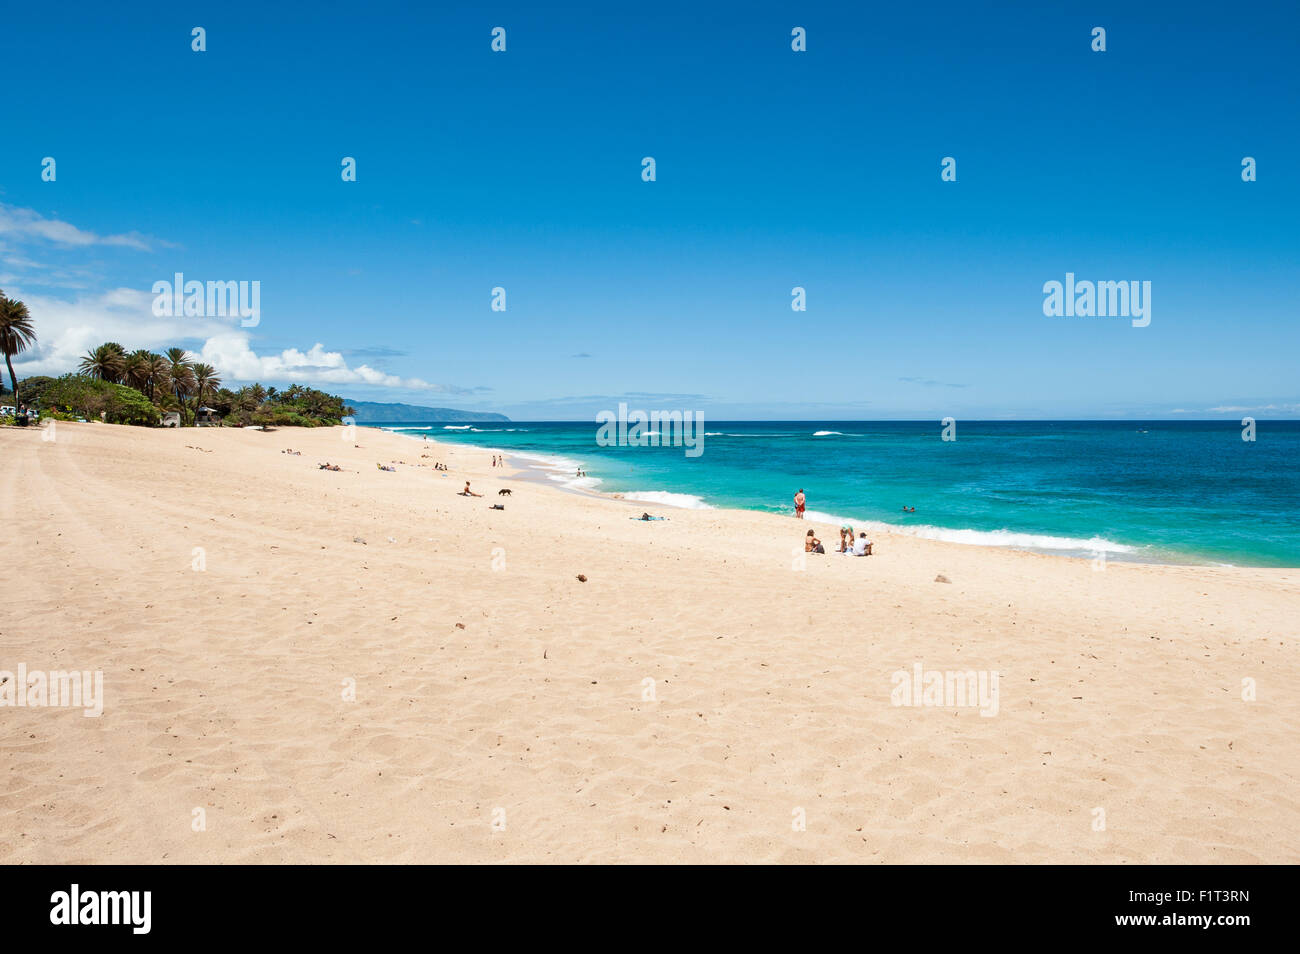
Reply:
x=775, y=169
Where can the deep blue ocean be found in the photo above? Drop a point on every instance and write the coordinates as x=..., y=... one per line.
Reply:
x=1169, y=492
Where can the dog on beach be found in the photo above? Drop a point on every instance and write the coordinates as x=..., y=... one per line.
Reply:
x=503, y=492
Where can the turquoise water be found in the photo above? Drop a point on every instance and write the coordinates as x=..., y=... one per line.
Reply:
x=1180, y=492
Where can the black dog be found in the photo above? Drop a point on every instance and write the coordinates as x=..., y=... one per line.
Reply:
x=503, y=492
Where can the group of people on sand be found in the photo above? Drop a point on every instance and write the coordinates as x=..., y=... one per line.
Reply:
x=849, y=545
x=858, y=546
x=498, y=461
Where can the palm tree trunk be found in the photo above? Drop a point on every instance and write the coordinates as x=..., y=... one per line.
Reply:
x=14, y=380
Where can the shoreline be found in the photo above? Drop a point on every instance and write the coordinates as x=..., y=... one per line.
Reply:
x=1122, y=553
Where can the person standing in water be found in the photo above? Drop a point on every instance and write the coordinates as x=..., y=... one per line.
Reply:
x=799, y=501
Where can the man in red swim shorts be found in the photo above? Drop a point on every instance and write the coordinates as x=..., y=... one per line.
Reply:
x=798, y=504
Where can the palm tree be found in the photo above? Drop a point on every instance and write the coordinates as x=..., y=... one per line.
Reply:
x=157, y=374
x=205, y=380
x=317, y=402
x=17, y=334
x=135, y=370
x=180, y=374
x=107, y=362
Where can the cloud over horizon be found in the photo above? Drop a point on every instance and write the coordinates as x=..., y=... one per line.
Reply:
x=68, y=327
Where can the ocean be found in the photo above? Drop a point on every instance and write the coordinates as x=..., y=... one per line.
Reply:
x=1161, y=492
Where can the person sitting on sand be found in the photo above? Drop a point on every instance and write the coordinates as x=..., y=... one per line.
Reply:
x=862, y=546
x=812, y=545
x=846, y=539
x=467, y=492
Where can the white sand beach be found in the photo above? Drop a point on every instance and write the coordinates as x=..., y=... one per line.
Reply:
x=501, y=708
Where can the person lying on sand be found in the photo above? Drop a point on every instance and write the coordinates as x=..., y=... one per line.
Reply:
x=467, y=492
x=382, y=467
x=812, y=545
x=646, y=516
x=328, y=466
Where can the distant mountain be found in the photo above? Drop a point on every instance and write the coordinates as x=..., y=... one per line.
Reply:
x=370, y=412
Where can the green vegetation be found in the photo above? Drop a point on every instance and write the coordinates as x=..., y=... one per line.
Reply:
x=140, y=386
x=75, y=395
x=296, y=406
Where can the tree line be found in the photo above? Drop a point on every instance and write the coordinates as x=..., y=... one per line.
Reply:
x=137, y=387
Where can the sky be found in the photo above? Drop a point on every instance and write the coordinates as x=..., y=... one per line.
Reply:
x=774, y=169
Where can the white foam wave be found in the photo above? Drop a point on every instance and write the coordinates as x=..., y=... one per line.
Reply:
x=827, y=433
x=562, y=470
x=1024, y=541
x=663, y=497
x=981, y=538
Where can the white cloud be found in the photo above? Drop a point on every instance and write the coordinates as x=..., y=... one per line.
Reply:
x=19, y=224
x=233, y=356
x=67, y=330
x=1241, y=409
